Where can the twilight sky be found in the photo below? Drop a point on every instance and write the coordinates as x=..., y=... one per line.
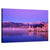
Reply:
x=24, y=15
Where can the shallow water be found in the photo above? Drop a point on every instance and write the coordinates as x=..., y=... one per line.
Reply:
x=22, y=35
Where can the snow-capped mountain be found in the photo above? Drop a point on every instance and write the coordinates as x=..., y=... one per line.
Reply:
x=38, y=22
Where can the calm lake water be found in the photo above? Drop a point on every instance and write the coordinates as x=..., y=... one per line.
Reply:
x=22, y=35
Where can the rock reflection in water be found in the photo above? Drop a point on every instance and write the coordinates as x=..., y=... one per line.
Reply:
x=23, y=35
x=30, y=34
x=39, y=34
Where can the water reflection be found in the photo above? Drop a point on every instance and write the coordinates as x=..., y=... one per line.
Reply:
x=24, y=35
x=39, y=34
x=30, y=34
x=23, y=32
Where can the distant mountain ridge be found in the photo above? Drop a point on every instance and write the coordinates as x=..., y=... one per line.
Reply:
x=12, y=24
x=38, y=22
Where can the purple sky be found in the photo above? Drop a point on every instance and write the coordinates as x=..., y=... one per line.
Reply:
x=25, y=15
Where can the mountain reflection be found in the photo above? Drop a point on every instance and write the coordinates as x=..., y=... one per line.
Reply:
x=23, y=35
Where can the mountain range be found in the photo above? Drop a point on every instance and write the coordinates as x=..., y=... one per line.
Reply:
x=12, y=24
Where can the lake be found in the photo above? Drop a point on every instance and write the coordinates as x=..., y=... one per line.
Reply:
x=22, y=35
